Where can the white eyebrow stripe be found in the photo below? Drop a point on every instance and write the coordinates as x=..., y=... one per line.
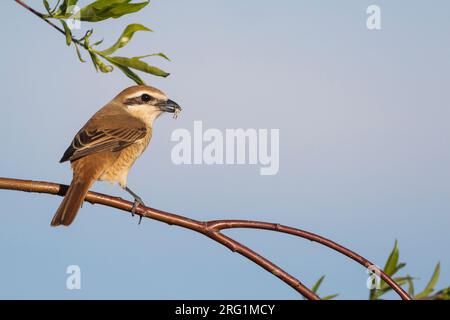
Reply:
x=154, y=94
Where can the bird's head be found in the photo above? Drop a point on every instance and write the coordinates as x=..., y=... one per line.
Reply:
x=146, y=102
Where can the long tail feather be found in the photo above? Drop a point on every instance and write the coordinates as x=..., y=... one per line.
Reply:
x=71, y=203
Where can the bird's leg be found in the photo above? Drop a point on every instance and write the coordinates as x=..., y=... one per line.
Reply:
x=137, y=201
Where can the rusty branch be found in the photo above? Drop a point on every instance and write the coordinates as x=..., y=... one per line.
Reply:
x=211, y=229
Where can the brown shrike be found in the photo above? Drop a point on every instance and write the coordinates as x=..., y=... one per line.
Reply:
x=109, y=144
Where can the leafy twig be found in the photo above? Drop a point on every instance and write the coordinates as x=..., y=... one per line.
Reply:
x=316, y=286
x=98, y=11
x=392, y=266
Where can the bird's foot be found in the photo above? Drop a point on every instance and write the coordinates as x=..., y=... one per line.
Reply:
x=137, y=202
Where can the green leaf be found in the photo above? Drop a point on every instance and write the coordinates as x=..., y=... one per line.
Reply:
x=443, y=294
x=103, y=66
x=136, y=63
x=47, y=7
x=410, y=286
x=160, y=54
x=130, y=74
x=56, y=6
x=398, y=267
x=331, y=296
x=431, y=284
x=94, y=59
x=99, y=64
x=68, y=32
x=104, y=9
x=97, y=43
x=127, y=8
x=317, y=284
x=86, y=37
x=399, y=280
x=97, y=10
x=316, y=287
x=125, y=37
x=65, y=6
x=384, y=287
x=391, y=263
x=80, y=57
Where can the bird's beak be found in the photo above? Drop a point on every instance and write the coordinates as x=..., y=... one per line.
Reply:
x=170, y=106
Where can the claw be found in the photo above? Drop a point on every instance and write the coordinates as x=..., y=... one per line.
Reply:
x=136, y=204
x=137, y=201
x=133, y=209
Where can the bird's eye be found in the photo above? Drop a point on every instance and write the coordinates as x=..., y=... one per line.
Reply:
x=146, y=98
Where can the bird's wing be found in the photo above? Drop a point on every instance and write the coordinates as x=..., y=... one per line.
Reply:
x=111, y=135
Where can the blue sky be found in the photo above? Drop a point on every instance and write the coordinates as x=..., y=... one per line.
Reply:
x=364, y=152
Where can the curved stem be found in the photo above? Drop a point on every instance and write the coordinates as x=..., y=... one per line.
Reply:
x=169, y=218
x=212, y=230
x=233, y=224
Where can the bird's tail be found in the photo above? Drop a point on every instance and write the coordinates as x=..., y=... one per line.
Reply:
x=72, y=202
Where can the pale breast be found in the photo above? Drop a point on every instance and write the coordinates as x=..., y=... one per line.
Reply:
x=118, y=172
